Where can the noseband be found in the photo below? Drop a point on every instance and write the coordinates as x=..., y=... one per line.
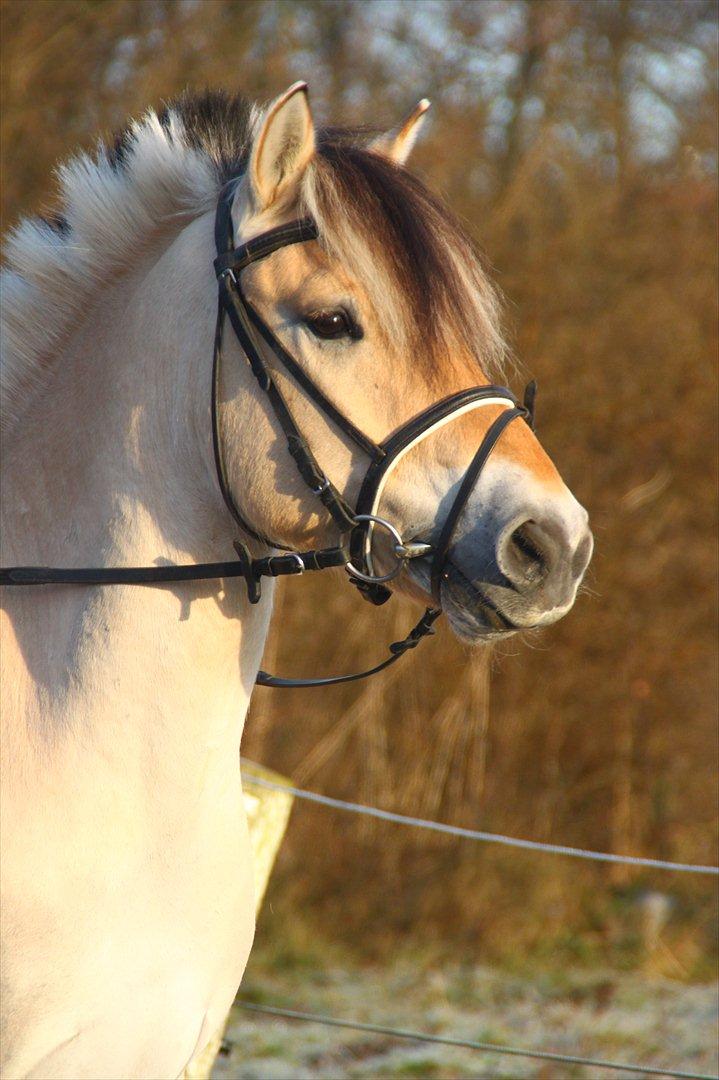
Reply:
x=356, y=527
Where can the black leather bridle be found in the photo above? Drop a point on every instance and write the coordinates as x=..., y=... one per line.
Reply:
x=355, y=527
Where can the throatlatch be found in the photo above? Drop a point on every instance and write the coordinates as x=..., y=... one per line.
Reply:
x=356, y=527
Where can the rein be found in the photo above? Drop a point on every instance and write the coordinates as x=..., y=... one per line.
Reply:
x=356, y=527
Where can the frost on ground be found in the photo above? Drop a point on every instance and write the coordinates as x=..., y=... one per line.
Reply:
x=625, y=1018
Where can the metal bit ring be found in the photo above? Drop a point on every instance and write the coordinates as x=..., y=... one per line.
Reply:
x=378, y=579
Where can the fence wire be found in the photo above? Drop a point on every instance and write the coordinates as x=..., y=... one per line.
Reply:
x=470, y=1044
x=476, y=834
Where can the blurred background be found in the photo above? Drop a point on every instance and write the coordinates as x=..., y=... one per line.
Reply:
x=577, y=140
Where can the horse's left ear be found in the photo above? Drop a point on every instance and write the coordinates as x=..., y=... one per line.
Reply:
x=397, y=144
x=282, y=148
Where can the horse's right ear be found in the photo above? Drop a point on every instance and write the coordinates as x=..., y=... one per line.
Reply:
x=282, y=148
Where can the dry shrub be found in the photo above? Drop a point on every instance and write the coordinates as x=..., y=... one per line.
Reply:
x=599, y=731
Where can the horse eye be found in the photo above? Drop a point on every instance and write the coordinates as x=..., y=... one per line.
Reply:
x=333, y=324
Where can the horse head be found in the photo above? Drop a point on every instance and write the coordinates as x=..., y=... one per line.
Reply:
x=387, y=310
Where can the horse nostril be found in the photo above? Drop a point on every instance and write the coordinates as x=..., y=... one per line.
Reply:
x=529, y=553
x=526, y=555
x=539, y=557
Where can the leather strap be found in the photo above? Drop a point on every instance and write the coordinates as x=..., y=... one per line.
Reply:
x=529, y=402
x=307, y=465
x=372, y=449
x=251, y=570
x=490, y=440
x=271, y=566
x=245, y=322
x=295, y=232
x=117, y=575
x=397, y=649
x=447, y=408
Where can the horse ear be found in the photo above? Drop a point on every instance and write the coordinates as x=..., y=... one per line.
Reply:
x=282, y=147
x=397, y=144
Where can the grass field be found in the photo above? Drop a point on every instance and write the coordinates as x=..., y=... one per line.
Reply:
x=623, y=1017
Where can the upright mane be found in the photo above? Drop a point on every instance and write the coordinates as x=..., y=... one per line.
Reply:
x=162, y=170
x=165, y=169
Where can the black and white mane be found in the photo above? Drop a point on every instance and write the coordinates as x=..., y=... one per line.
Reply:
x=167, y=168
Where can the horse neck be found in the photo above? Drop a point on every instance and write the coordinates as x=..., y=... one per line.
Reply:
x=113, y=467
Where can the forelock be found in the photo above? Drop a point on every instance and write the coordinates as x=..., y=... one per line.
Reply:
x=423, y=274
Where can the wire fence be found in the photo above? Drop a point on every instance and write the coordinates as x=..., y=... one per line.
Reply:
x=488, y=837
x=476, y=834
x=470, y=1044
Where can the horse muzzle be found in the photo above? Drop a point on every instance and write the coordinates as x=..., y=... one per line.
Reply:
x=520, y=576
